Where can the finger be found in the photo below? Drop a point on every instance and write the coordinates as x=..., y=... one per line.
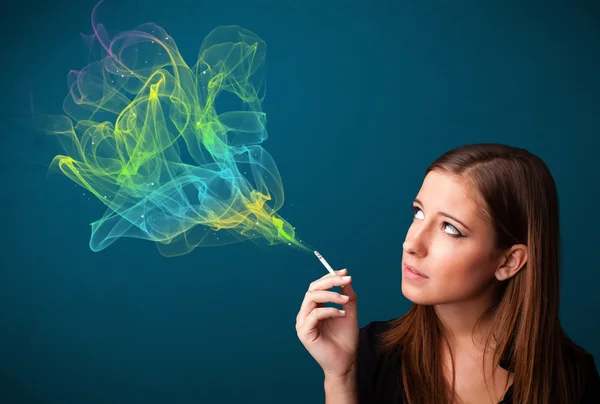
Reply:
x=329, y=274
x=329, y=282
x=315, y=299
x=352, y=304
x=318, y=314
x=348, y=290
x=340, y=272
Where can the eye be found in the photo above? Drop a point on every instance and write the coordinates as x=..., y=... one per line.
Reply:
x=415, y=209
x=454, y=232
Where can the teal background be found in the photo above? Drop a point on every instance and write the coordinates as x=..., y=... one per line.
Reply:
x=362, y=96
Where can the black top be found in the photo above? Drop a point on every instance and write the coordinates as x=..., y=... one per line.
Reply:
x=379, y=382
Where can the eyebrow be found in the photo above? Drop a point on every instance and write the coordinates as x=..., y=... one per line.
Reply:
x=446, y=215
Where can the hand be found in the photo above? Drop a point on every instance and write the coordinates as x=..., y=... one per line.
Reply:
x=330, y=336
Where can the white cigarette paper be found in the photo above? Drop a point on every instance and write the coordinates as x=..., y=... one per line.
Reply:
x=320, y=257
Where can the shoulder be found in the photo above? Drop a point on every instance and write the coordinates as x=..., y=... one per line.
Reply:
x=374, y=329
x=586, y=372
x=581, y=367
x=591, y=381
x=369, y=337
x=580, y=358
x=375, y=380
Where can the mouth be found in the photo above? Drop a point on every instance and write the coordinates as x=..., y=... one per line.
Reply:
x=414, y=271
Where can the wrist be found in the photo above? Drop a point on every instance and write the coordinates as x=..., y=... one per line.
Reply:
x=341, y=379
x=341, y=389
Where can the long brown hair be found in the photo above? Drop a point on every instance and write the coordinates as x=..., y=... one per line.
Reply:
x=521, y=203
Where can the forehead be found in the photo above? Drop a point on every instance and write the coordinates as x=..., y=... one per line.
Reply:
x=452, y=194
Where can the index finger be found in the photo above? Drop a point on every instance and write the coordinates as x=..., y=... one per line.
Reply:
x=328, y=282
x=337, y=273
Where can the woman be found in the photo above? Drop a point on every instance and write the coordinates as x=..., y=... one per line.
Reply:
x=481, y=265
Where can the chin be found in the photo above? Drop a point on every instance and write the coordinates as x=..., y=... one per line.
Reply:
x=415, y=295
x=421, y=296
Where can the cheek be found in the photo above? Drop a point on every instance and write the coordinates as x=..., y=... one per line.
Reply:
x=456, y=272
x=461, y=273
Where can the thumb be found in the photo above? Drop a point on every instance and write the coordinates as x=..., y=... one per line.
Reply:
x=351, y=306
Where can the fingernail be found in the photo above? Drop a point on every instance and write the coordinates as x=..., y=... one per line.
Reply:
x=342, y=271
x=346, y=278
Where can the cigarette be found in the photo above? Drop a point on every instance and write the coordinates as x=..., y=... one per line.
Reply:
x=325, y=264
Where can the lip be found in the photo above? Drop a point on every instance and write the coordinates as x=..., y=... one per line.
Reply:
x=412, y=273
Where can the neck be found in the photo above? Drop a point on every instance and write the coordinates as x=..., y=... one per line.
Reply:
x=458, y=319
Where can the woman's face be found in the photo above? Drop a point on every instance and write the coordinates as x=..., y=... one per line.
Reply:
x=456, y=254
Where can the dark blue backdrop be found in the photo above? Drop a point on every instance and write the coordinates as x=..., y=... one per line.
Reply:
x=362, y=96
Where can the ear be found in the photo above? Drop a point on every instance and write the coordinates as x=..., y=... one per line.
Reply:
x=512, y=262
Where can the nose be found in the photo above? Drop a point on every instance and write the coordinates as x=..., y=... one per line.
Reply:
x=415, y=241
